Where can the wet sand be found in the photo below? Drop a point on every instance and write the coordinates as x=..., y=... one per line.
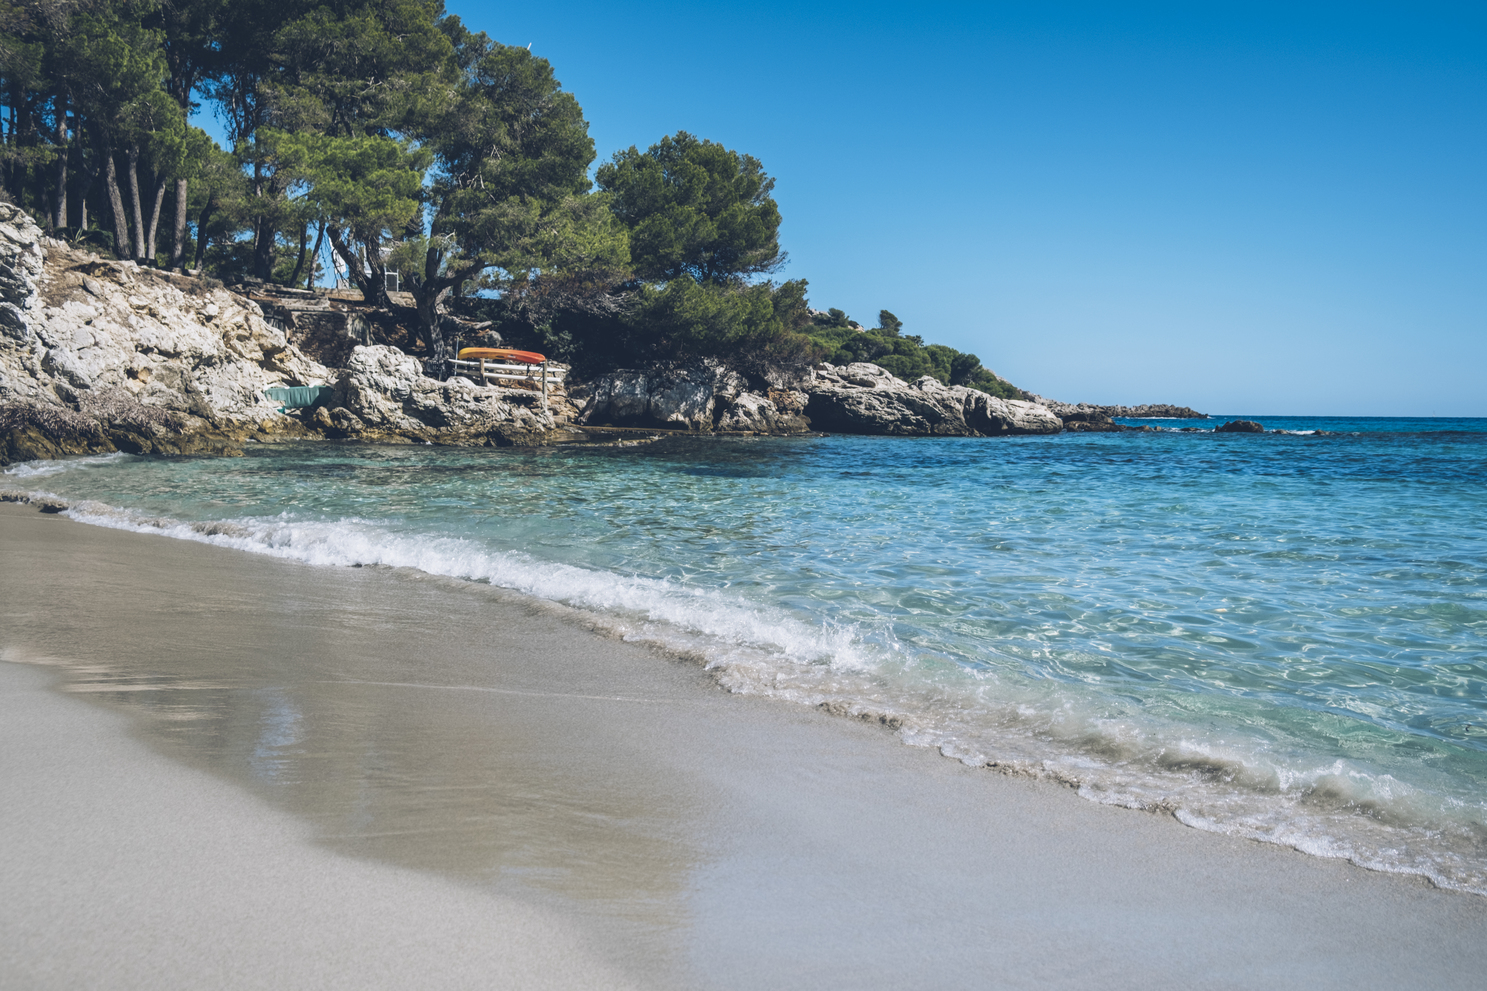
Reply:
x=258, y=773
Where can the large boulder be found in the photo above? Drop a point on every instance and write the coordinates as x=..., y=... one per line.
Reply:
x=21, y=262
x=382, y=394
x=1239, y=427
x=778, y=411
x=995, y=416
x=863, y=398
x=694, y=398
x=701, y=396
x=376, y=383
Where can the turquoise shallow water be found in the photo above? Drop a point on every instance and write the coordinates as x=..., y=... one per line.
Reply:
x=1278, y=636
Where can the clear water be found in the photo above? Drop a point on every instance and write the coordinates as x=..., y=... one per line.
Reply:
x=1278, y=636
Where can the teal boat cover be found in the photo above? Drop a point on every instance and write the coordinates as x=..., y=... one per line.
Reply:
x=298, y=396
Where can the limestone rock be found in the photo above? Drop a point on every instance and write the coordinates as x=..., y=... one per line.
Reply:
x=780, y=411
x=383, y=394
x=76, y=323
x=702, y=396
x=1239, y=427
x=689, y=397
x=864, y=398
x=99, y=355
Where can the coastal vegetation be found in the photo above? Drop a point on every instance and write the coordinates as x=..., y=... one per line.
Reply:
x=415, y=156
x=905, y=355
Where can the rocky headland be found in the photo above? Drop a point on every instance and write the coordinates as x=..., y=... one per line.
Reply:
x=859, y=398
x=99, y=356
x=1085, y=417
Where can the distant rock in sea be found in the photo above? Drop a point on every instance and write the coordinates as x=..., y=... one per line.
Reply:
x=1091, y=423
x=1239, y=427
x=1153, y=411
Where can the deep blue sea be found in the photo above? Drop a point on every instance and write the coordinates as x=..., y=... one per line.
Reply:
x=1281, y=636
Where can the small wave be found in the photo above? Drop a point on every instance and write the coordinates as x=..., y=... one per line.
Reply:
x=44, y=501
x=650, y=609
x=40, y=469
x=1240, y=787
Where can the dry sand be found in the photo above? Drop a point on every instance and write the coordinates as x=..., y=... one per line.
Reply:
x=265, y=774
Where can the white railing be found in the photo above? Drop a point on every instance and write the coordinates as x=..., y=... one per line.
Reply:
x=487, y=369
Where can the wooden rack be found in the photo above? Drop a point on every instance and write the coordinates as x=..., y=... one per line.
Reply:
x=505, y=371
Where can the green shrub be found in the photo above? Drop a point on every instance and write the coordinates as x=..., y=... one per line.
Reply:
x=905, y=355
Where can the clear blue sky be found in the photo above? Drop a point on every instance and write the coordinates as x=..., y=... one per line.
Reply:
x=1247, y=208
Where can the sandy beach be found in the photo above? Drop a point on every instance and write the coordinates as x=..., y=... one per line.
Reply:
x=225, y=770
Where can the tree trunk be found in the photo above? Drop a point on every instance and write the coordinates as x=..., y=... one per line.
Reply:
x=178, y=242
x=263, y=249
x=155, y=220
x=139, y=214
x=201, y=229
x=116, y=200
x=299, y=263
x=89, y=175
x=372, y=254
x=60, y=201
x=354, y=269
x=430, y=302
x=315, y=256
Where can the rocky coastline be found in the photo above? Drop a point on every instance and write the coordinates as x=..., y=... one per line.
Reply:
x=98, y=356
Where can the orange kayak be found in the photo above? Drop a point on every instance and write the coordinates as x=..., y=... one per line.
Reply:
x=502, y=354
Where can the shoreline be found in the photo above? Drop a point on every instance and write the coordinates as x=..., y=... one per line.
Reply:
x=690, y=837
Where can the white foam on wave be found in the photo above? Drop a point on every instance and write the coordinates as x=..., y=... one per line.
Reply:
x=1239, y=786
x=40, y=469
x=653, y=607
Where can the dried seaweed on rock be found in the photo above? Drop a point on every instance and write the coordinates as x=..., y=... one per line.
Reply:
x=117, y=407
x=52, y=420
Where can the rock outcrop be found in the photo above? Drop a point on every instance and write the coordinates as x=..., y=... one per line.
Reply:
x=704, y=396
x=1079, y=422
x=862, y=398
x=382, y=394
x=99, y=355
x=1239, y=427
x=859, y=398
x=1076, y=411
